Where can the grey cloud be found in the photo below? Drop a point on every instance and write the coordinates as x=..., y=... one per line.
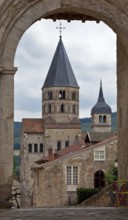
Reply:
x=28, y=103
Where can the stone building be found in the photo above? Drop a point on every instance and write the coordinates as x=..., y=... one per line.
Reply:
x=57, y=177
x=59, y=125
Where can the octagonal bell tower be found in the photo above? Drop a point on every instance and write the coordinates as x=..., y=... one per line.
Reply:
x=60, y=92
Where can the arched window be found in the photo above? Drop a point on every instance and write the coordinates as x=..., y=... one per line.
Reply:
x=41, y=148
x=50, y=94
x=35, y=148
x=30, y=148
x=99, y=179
x=62, y=108
x=74, y=109
x=100, y=119
x=74, y=96
x=58, y=145
x=66, y=143
x=104, y=119
x=62, y=94
x=49, y=108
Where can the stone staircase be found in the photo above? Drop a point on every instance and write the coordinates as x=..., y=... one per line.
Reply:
x=100, y=199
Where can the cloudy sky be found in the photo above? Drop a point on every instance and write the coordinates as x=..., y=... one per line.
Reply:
x=91, y=49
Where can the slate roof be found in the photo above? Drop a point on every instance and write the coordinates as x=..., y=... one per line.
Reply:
x=96, y=137
x=32, y=125
x=101, y=107
x=60, y=73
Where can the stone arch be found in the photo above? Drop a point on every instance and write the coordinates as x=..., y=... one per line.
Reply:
x=18, y=24
x=16, y=18
x=99, y=179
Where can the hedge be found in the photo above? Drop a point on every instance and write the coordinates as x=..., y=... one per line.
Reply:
x=85, y=193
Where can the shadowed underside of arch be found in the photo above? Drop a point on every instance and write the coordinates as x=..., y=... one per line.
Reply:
x=16, y=17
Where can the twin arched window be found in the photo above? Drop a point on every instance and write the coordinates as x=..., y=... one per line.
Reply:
x=102, y=119
x=61, y=94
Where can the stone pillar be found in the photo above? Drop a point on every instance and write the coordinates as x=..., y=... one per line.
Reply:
x=6, y=134
x=122, y=107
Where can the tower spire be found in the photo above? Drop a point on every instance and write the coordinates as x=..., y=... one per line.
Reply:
x=101, y=96
x=60, y=29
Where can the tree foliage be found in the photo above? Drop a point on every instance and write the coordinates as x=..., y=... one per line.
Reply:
x=111, y=175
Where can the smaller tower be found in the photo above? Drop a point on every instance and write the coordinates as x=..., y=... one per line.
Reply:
x=101, y=114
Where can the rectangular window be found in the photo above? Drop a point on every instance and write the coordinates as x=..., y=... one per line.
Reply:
x=99, y=155
x=72, y=175
x=69, y=175
x=75, y=175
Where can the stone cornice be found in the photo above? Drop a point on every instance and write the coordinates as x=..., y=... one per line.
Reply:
x=8, y=71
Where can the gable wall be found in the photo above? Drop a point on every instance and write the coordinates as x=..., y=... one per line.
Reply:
x=52, y=187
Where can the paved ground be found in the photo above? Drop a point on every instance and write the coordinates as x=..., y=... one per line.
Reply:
x=65, y=214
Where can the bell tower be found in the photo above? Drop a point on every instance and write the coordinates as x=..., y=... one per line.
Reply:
x=101, y=114
x=60, y=102
x=60, y=92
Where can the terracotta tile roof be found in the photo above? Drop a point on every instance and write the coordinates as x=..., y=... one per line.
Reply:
x=32, y=125
x=70, y=149
x=73, y=150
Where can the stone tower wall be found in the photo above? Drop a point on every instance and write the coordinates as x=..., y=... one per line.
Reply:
x=52, y=104
x=102, y=126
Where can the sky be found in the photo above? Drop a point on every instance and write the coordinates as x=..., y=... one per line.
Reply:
x=91, y=49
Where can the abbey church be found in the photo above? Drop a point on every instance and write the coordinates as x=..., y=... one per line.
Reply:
x=54, y=149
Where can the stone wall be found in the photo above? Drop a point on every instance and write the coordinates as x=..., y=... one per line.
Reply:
x=50, y=186
x=101, y=199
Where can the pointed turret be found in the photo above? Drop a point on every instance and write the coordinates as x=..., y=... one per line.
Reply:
x=101, y=107
x=60, y=73
x=101, y=114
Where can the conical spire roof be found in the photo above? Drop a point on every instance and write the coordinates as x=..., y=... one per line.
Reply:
x=60, y=73
x=101, y=107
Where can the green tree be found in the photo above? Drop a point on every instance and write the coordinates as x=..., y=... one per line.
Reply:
x=111, y=175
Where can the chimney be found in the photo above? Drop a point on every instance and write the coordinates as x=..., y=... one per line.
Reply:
x=56, y=156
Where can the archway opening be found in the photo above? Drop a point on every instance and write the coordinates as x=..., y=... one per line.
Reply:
x=91, y=48
x=99, y=179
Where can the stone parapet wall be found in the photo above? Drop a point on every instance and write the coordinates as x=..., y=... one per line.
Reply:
x=101, y=199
